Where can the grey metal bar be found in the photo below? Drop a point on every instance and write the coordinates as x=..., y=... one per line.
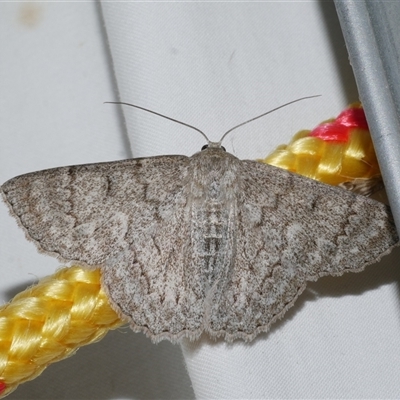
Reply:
x=372, y=33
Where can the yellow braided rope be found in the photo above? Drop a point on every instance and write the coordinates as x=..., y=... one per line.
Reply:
x=49, y=322
x=330, y=162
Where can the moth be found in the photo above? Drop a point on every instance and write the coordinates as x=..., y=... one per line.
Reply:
x=207, y=243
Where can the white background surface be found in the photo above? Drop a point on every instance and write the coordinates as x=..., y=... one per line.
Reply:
x=212, y=65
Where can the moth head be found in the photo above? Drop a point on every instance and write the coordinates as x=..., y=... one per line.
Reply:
x=214, y=145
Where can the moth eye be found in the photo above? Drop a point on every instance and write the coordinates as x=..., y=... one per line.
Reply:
x=223, y=148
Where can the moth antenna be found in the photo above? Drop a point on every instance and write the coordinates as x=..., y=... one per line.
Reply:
x=268, y=112
x=160, y=115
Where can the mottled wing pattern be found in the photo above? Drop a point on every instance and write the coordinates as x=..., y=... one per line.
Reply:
x=81, y=213
x=147, y=223
x=291, y=230
x=128, y=217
